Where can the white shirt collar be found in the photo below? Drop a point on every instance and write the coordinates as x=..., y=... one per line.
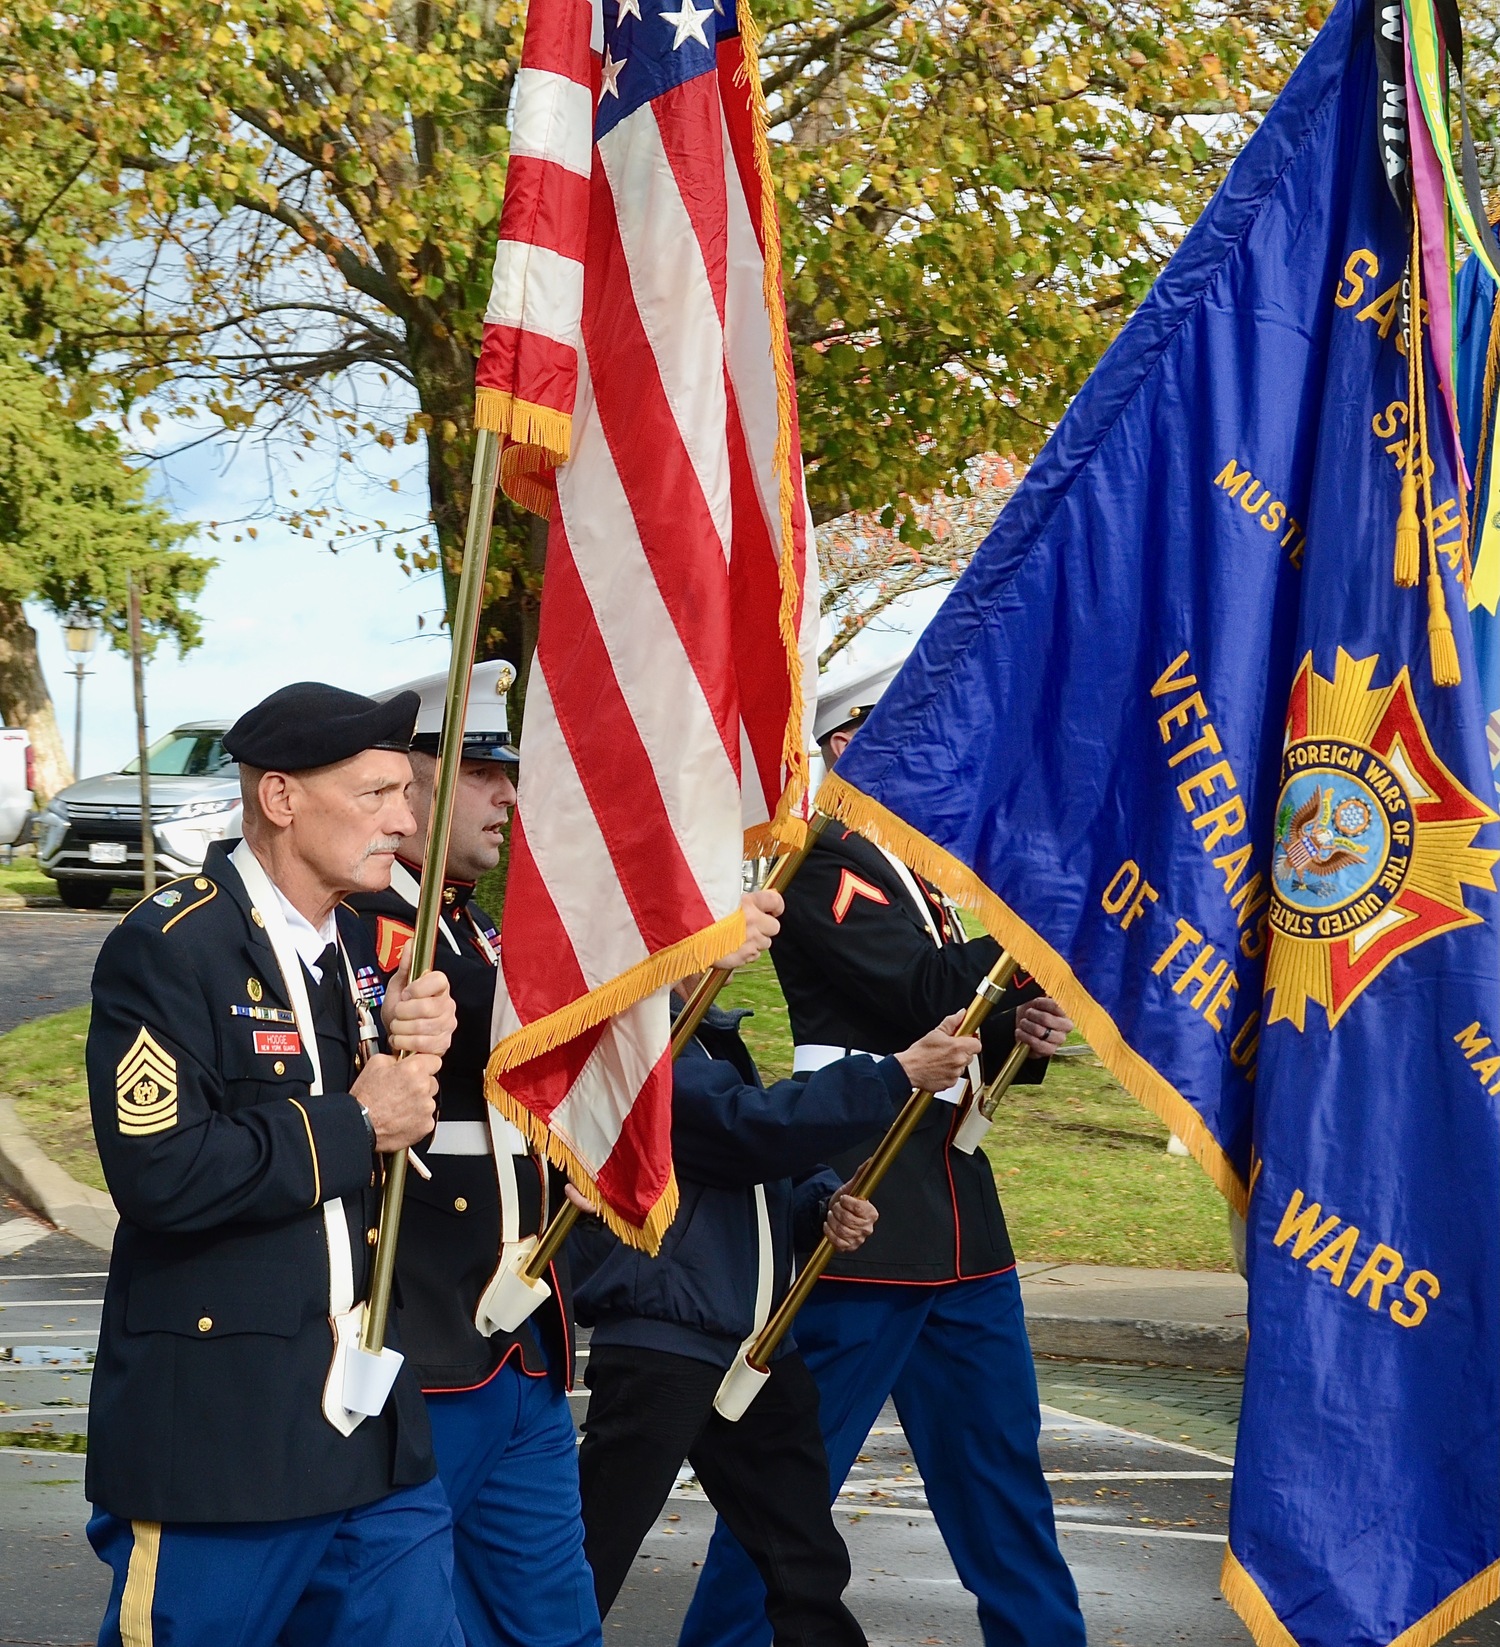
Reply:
x=308, y=940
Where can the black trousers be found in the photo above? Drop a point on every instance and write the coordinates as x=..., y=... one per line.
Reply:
x=767, y=1476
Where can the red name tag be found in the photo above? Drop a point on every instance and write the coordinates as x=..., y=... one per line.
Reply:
x=286, y=1042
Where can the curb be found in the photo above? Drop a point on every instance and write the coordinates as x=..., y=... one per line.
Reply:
x=46, y=1188
x=1162, y=1343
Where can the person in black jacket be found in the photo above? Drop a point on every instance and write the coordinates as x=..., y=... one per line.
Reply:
x=242, y=1091
x=498, y=1400
x=927, y=1312
x=666, y=1329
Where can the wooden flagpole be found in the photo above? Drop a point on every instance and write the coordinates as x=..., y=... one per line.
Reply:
x=753, y=1365
x=465, y=634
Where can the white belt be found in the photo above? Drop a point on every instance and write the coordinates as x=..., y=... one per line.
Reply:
x=815, y=1056
x=473, y=1138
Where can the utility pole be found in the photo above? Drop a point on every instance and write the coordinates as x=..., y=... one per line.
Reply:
x=138, y=674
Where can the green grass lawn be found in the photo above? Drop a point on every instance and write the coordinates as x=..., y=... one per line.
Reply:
x=22, y=876
x=1082, y=1168
x=41, y=1068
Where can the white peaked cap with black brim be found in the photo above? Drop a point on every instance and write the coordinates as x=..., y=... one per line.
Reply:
x=846, y=702
x=486, y=723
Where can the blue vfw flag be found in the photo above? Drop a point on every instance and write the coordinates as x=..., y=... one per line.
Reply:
x=1177, y=737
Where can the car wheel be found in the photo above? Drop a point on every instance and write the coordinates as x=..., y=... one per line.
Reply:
x=84, y=894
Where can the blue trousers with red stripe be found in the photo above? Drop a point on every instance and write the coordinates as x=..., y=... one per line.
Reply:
x=376, y=1576
x=956, y=1360
x=508, y=1460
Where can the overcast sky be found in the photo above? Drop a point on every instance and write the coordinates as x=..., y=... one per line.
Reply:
x=281, y=609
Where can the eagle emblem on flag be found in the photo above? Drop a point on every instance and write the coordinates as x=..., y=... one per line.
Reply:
x=1373, y=840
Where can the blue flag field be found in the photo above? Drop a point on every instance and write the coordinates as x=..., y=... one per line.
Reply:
x=1176, y=736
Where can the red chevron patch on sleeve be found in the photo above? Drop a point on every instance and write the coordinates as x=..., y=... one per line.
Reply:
x=852, y=886
x=391, y=939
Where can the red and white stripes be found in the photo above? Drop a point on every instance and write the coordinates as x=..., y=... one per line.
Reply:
x=649, y=390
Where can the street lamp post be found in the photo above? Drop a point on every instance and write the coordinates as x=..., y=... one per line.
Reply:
x=81, y=632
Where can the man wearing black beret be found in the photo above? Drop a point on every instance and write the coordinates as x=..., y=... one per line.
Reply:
x=243, y=1091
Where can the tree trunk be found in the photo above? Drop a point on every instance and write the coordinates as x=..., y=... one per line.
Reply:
x=26, y=703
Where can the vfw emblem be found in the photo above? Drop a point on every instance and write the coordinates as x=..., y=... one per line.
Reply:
x=1374, y=840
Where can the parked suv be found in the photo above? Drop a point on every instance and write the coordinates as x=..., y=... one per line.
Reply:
x=89, y=836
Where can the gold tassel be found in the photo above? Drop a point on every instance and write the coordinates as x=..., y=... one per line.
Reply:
x=1408, y=535
x=1445, y=670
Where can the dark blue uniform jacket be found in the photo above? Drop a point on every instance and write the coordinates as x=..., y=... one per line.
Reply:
x=215, y=1342
x=730, y=1133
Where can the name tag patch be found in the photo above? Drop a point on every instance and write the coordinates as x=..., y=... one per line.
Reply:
x=278, y=1042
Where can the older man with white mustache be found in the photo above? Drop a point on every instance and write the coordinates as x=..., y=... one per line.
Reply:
x=244, y=1088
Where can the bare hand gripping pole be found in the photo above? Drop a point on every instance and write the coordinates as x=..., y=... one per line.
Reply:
x=531, y=1290
x=743, y=1381
x=429, y=906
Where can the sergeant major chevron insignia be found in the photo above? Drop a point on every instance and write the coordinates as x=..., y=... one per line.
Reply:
x=146, y=1088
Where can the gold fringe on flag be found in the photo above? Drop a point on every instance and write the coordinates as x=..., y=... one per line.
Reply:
x=656, y=972
x=537, y=438
x=646, y=1237
x=786, y=826
x=1150, y=1089
x=1244, y=1595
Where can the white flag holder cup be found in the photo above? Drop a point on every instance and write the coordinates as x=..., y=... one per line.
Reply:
x=972, y=1128
x=359, y=1383
x=369, y=1379
x=742, y=1383
x=512, y=1294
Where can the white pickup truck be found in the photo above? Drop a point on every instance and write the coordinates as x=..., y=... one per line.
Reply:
x=17, y=779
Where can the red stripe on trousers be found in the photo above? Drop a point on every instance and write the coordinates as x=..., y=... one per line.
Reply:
x=665, y=493
x=613, y=765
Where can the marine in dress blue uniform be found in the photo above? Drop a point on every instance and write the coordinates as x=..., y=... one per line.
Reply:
x=497, y=1401
x=235, y=1499
x=928, y=1311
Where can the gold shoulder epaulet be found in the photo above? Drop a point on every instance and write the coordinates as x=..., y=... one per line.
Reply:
x=176, y=899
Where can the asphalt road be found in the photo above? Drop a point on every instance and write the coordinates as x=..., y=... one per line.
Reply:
x=1142, y=1520
x=46, y=960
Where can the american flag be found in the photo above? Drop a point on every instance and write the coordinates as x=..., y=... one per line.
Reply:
x=636, y=356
